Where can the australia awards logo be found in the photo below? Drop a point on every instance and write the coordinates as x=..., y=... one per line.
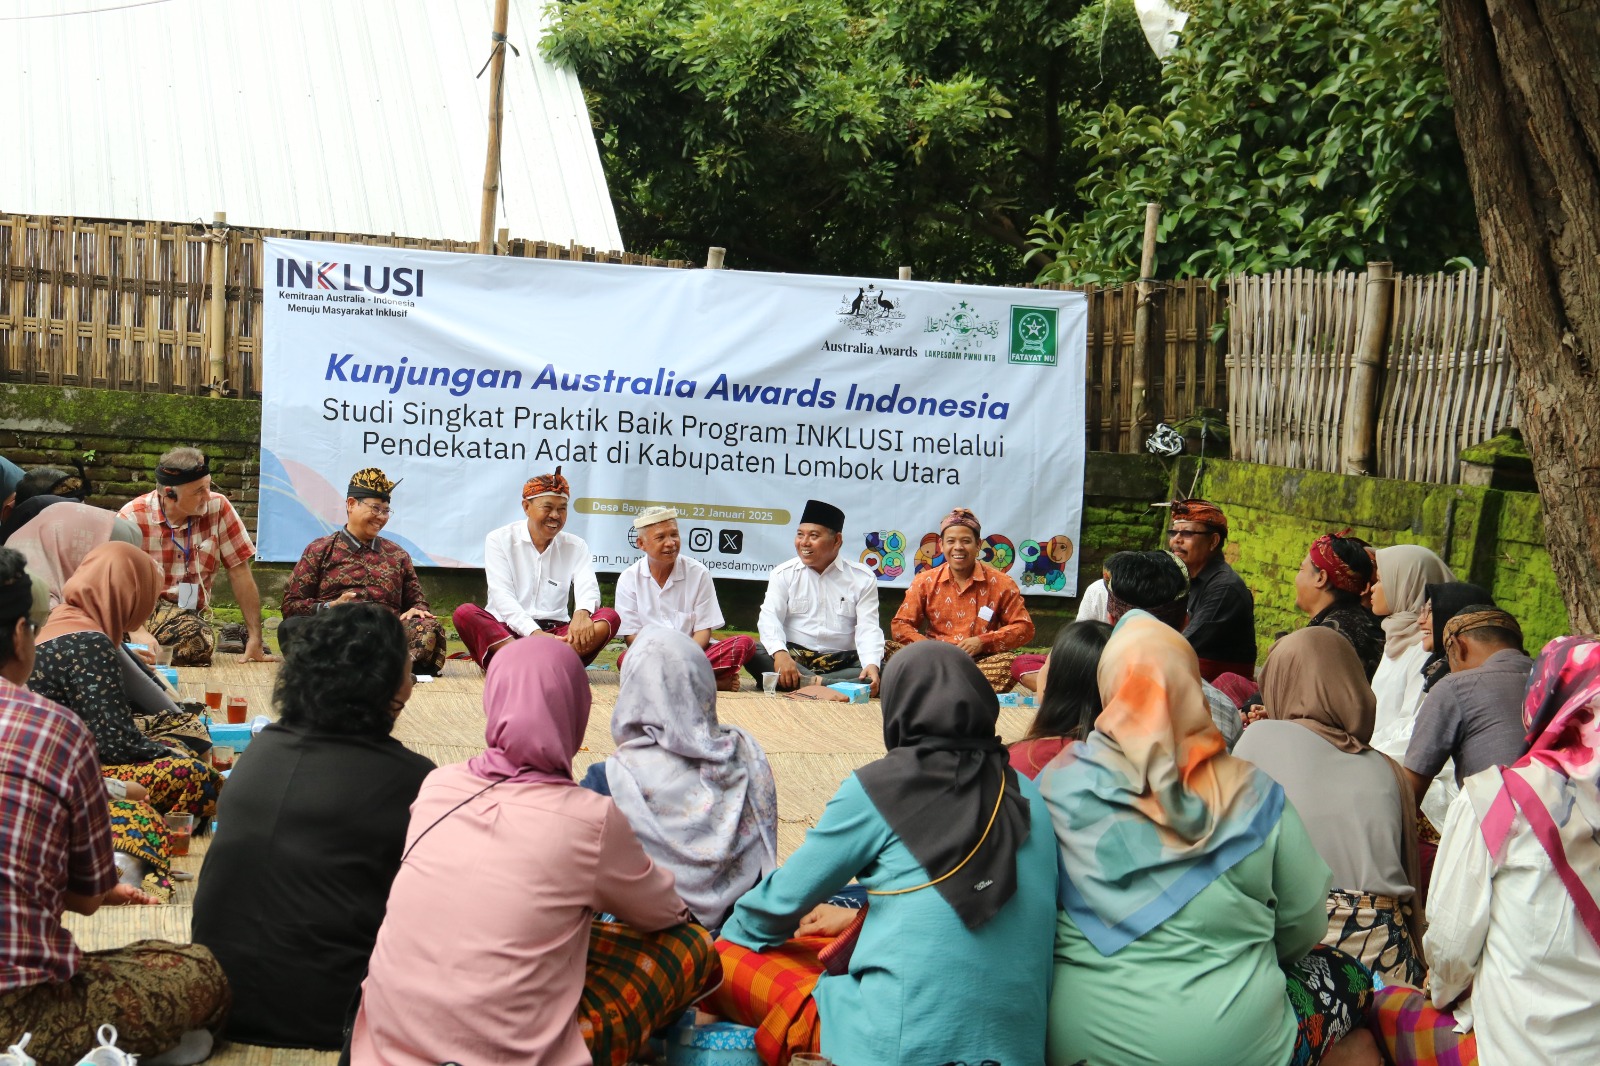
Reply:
x=963, y=329
x=870, y=311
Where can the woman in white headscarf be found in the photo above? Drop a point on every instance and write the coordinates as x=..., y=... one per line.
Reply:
x=699, y=795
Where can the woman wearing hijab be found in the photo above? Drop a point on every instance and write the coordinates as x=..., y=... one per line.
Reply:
x=1514, y=935
x=699, y=795
x=481, y=956
x=1355, y=802
x=955, y=852
x=56, y=540
x=1398, y=594
x=309, y=833
x=112, y=593
x=1193, y=900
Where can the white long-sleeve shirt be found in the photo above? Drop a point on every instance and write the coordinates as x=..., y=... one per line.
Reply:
x=836, y=610
x=1512, y=935
x=687, y=602
x=527, y=586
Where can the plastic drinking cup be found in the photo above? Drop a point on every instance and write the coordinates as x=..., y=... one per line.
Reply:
x=180, y=828
x=238, y=710
x=222, y=756
x=213, y=698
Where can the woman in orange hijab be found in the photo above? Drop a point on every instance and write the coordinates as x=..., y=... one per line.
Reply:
x=111, y=594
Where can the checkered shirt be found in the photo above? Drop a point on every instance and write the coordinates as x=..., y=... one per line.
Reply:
x=55, y=835
x=193, y=550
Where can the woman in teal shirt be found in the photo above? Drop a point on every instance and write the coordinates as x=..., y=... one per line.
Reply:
x=1192, y=899
x=956, y=853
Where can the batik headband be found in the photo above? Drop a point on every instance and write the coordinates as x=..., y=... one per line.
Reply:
x=961, y=516
x=1481, y=616
x=169, y=476
x=370, y=484
x=546, y=485
x=1340, y=574
x=1200, y=511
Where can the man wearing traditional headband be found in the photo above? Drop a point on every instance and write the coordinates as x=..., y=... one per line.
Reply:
x=669, y=589
x=356, y=565
x=190, y=531
x=820, y=614
x=1473, y=714
x=966, y=602
x=1222, y=613
x=1329, y=586
x=533, y=567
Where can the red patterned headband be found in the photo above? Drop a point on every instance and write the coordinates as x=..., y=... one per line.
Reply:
x=1340, y=574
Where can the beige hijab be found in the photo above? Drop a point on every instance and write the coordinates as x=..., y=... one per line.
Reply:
x=1405, y=571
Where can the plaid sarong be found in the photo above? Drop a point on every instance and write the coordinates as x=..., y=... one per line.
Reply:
x=771, y=990
x=1411, y=1030
x=636, y=983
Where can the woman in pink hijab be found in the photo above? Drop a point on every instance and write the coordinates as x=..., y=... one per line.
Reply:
x=489, y=950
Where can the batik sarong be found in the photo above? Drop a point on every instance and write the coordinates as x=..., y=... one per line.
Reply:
x=187, y=633
x=152, y=991
x=1412, y=1032
x=1331, y=994
x=995, y=667
x=174, y=728
x=636, y=983
x=138, y=830
x=427, y=644
x=1373, y=929
x=178, y=784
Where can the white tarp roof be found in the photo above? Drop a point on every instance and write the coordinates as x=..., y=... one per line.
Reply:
x=361, y=116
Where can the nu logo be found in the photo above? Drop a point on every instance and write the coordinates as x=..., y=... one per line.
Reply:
x=343, y=277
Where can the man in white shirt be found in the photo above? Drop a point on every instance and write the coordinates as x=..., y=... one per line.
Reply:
x=820, y=614
x=668, y=589
x=532, y=568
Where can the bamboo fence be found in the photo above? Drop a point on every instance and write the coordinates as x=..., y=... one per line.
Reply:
x=1449, y=382
x=1447, y=377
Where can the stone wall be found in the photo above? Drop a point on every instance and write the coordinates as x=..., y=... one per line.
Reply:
x=1490, y=536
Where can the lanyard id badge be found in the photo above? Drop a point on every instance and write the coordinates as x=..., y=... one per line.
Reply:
x=188, y=596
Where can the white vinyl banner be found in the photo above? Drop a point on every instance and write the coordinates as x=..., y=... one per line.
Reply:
x=731, y=396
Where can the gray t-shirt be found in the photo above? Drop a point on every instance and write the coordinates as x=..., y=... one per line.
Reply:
x=1473, y=717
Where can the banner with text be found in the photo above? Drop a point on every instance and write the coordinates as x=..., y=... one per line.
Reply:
x=731, y=396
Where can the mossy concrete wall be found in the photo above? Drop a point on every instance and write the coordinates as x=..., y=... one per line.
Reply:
x=1490, y=536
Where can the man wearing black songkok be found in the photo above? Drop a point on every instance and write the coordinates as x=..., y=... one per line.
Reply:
x=820, y=614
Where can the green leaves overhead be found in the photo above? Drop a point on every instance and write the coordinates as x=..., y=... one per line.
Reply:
x=1288, y=135
x=839, y=136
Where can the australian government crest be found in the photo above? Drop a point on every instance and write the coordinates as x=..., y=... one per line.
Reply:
x=870, y=310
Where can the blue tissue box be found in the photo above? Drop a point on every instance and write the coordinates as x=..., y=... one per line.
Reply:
x=858, y=692
x=171, y=675
x=234, y=736
x=713, y=1044
x=1017, y=699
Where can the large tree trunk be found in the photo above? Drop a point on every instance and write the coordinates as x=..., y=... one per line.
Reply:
x=1526, y=79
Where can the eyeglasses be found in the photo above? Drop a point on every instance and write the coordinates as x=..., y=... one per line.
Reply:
x=378, y=509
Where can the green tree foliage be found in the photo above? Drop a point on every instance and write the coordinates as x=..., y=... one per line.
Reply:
x=1289, y=134
x=846, y=136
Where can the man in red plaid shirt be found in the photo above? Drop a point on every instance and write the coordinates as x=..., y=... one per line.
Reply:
x=191, y=531
x=55, y=849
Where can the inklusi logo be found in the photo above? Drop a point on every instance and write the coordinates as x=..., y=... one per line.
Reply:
x=350, y=277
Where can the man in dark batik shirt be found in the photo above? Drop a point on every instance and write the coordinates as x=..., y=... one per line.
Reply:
x=356, y=565
x=1222, y=612
x=1335, y=573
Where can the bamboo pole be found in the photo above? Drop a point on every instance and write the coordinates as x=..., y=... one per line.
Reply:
x=491, y=165
x=1361, y=407
x=219, y=302
x=905, y=273
x=1142, y=333
x=714, y=257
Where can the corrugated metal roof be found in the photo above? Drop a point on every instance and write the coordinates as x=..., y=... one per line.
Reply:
x=358, y=116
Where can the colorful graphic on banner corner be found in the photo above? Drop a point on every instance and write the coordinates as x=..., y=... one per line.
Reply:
x=1044, y=561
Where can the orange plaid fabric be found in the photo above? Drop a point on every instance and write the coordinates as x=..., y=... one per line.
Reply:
x=1412, y=1031
x=771, y=990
